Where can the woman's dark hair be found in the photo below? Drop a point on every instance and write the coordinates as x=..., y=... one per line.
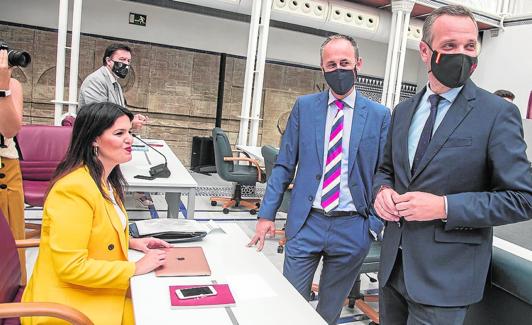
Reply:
x=91, y=122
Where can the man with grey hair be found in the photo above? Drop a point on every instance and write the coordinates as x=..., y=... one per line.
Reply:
x=336, y=139
x=454, y=166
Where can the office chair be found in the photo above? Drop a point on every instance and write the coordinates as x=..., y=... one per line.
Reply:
x=11, y=292
x=270, y=153
x=356, y=297
x=42, y=147
x=229, y=169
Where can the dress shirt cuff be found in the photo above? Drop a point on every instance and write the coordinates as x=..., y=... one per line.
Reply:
x=444, y=219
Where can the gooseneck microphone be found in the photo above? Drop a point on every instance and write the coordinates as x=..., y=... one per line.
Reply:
x=161, y=170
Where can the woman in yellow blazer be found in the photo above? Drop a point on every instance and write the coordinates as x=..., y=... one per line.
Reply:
x=82, y=259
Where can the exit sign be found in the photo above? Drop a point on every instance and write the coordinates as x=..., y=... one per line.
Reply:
x=137, y=19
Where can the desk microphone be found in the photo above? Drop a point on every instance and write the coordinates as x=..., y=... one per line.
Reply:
x=161, y=170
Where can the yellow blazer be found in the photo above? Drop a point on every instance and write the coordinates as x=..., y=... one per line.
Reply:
x=82, y=259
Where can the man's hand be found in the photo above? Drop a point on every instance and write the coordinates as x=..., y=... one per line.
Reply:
x=147, y=243
x=5, y=72
x=139, y=121
x=420, y=206
x=385, y=204
x=264, y=226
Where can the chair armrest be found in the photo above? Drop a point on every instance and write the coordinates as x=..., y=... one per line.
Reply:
x=241, y=152
x=251, y=161
x=25, y=243
x=26, y=309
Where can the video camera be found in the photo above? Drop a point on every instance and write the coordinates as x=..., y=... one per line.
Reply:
x=16, y=58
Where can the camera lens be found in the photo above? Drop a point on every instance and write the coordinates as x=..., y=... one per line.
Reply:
x=18, y=58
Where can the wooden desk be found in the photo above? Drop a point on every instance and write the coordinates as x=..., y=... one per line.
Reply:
x=262, y=294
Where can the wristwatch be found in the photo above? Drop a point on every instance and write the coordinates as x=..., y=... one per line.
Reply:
x=5, y=93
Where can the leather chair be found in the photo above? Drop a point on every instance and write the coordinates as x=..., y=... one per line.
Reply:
x=269, y=154
x=229, y=169
x=357, y=297
x=42, y=147
x=11, y=292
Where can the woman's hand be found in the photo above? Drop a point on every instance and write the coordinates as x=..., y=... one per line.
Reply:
x=147, y=243
x=152, y=260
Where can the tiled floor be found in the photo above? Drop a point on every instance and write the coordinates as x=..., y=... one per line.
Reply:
x=204, y=211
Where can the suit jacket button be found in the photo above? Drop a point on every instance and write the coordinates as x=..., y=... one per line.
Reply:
x=3, y=186
x=2, y=175
x=318, y=177
x=111, y=247
x=310, y=198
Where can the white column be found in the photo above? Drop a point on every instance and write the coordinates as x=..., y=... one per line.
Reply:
x=259, y=75
x=60, y=64
x=249, y=73
x=402, y=54
x=393, y=78
x=74, y=58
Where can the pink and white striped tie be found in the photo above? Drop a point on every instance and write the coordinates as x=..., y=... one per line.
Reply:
x=330, y=194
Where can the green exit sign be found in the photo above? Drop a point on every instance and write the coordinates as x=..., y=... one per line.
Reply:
x=137, y=19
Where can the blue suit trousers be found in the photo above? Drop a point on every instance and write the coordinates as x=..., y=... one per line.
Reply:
x=343, y=243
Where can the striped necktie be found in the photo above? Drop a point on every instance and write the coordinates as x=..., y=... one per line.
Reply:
x=330, y=194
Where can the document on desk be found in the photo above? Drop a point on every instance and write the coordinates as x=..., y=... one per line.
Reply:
x=246, y=287
x=156, y=226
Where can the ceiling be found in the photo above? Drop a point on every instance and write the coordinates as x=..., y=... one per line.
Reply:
x=423, y=8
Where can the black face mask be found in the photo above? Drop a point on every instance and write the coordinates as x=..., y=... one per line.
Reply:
x=452, y=70
x=120, y=69
x=340, y=80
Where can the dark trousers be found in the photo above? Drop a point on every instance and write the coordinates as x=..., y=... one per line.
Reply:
x=342, y=242
x=397, y=308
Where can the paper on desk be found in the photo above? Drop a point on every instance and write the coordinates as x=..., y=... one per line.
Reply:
x=154, y=226
x=247, y=287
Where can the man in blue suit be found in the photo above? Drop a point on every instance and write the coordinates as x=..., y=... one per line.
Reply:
x=336, y=139
x=454, y=166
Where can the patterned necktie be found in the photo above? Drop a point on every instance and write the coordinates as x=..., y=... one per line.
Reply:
x=426, y=134
x=330, y=194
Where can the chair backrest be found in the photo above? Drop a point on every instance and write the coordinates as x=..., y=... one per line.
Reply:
x=269, y=153
x=222, y=149
x=10, y=265
x=43, y=147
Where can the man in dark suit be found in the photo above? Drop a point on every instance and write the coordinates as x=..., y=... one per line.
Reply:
x=336, y=139
x=454, y=166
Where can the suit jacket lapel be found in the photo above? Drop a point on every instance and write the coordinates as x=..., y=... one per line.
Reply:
x=403, y=126
x=117, y=224
x=112, y=91
x=357, y=128
x=457, y=112
x=320, y=118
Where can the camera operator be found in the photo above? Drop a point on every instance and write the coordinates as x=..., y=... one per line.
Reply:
x=11, y=194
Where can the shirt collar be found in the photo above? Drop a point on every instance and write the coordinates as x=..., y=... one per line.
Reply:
x=450, y=95
x=113, y=79
x=349, y=100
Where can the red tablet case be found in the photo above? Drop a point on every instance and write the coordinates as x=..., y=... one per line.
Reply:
x=223, y=298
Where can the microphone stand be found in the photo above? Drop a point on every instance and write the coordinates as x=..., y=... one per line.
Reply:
x=161, y=170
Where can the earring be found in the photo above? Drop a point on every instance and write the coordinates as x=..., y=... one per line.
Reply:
x=95, y=150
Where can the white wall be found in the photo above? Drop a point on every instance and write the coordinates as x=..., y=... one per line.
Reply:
x=177, y=28
x=505, y=63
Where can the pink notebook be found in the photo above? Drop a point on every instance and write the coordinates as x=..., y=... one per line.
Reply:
x=223, y=298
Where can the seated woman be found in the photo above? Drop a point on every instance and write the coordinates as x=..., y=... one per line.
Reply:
x=82, y=258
